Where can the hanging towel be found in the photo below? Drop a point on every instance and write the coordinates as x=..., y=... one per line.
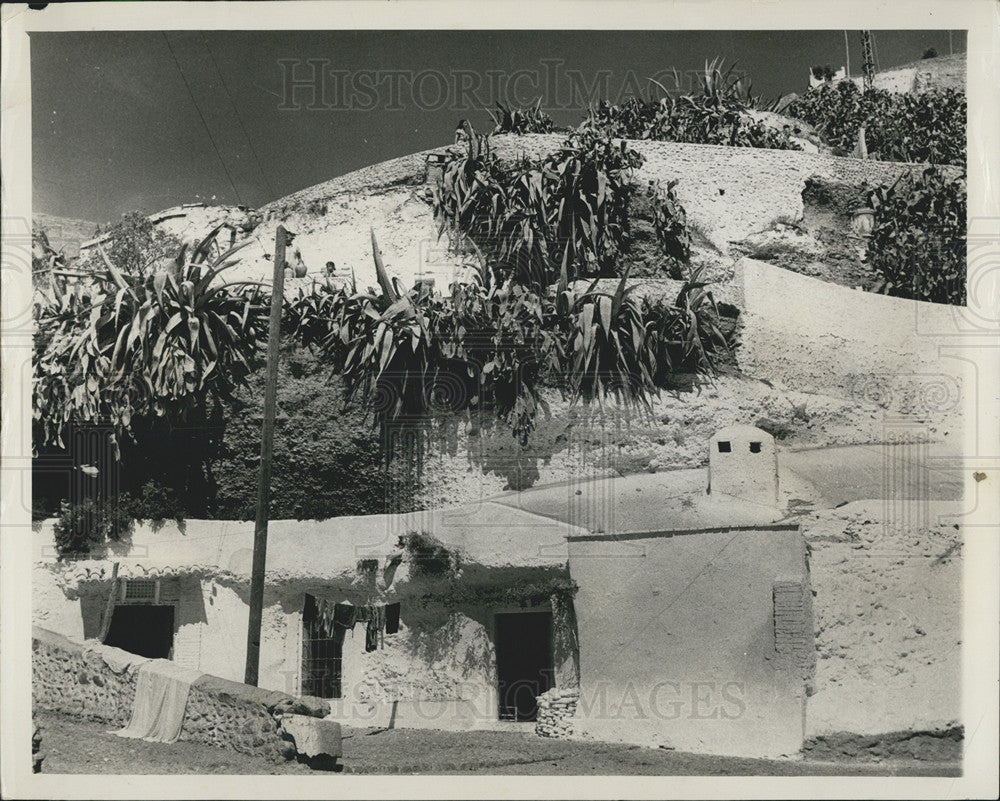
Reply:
x=392, y=618
x=344, y=615
x=161, y=693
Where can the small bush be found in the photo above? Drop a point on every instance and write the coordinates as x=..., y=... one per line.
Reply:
x=91, y=523
x=135, y=246
x=533, y=219
x=716, y=114
x=929, y=127
x=531, y=120
x=427, y=555
x=317, y=207
x=917, y=247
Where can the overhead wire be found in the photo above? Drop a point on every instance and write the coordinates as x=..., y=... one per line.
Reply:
x=239, y=118
x=201, y=116
x=232, y=183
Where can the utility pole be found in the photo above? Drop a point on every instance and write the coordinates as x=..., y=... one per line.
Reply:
x=282, y=239
x=869, y=59
x=847, y=50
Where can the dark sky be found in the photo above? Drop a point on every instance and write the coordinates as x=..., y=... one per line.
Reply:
x=146, y=120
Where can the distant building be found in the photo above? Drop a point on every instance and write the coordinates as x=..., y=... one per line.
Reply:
x=839, y=75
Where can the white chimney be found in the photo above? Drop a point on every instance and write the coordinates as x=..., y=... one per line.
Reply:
x=743, y=465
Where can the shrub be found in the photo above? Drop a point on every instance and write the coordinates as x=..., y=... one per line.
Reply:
x=716, y=114
x=134, y=246
x=928, y=127
x=128, y=345
x=917, y=247
x=91, y=523
x=530, y=120
x=571, y=208
x=427, y=556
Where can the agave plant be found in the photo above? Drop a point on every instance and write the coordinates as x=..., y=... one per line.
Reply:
x=126, y=346
x=670, y=223
x=492, y=345
x=528, y=218
x=715, y=113
x=606, y=349
x=688, y=338
x=521, y=120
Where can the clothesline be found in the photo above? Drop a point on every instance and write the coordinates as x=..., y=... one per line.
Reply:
x=337, y=618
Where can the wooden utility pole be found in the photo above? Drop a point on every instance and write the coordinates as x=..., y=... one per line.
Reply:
x=266, y=449
x=109, y=608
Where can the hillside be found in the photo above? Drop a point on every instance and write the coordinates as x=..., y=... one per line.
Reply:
x=925, y=75
x=65, y=234
x=739, y=201
x=772, y=229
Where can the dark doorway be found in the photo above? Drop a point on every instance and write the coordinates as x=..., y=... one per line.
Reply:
x=524, y=662
x=143, y=629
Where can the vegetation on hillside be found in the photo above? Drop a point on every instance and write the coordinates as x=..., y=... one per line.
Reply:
x=164, y=353
x=928, y=127
x=531, y=120
x=716, y=113
x=493, y=346
x=918, y=243
x=134, y=344
x=568, y=211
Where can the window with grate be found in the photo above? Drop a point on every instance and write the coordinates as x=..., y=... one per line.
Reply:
x=322, y=650
x=140, y=590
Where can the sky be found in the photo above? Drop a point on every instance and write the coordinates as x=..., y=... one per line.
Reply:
x=145, y=120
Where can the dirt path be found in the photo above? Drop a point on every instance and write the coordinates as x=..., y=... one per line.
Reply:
x=75, y=746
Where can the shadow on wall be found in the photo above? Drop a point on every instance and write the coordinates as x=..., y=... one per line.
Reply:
x=620, y=445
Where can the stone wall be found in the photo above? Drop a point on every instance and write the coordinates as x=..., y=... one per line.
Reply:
x=246, y=719
x=68, y=677
x=556, y=708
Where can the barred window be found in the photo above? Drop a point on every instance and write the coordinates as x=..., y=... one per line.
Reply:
x=139, y=590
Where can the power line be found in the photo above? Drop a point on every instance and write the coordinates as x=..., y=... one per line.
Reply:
x=239, y=118
x=232, y=183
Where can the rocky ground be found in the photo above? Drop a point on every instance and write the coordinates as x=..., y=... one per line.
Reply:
x=75, y=746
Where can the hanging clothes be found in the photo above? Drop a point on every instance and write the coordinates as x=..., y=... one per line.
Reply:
x=392, y=618
x=344, y=616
